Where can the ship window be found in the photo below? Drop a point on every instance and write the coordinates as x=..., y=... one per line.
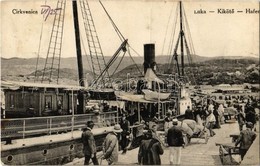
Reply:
x=48, y=101
x=74, y=102
x=10, y=158
x=20, y=100
x=31, y=100
x=60, y=102
x=71, y=147
x=45, y=152
x=220, y=97
x=11, y=101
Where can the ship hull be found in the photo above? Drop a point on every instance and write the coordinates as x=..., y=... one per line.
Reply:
x=52, y=153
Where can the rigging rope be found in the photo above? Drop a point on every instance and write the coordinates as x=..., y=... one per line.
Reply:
x=39, y=49
x=131, y=57
x=84, y=49
x=118, y=64
x=134, y=62
x=122, y=38
x=134, y=51
x=174, y=56
x=95, y=51
x=111, y=61
x=189, y=59
x=55, y=43
x=113, y=23
x=192, y=51
x=189, y=35
x=171, y=53
x=167, y=30
x=173, y=33
x=122, y=47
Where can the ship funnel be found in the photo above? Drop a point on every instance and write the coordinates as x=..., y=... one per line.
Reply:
x=149, y=57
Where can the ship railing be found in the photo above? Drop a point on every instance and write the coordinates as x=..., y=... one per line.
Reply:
x=38, y=126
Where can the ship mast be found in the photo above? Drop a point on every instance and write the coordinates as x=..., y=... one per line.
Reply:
x=181, y=35
x=81, y=97
x=180, y=43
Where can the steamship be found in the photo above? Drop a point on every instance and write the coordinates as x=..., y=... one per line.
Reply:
x=42, y=121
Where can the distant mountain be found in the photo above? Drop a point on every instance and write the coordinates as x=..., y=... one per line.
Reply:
x=236, y=57
x=25, y=67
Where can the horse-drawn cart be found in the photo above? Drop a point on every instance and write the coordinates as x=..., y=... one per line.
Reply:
x=200, y=135
x=226, y=152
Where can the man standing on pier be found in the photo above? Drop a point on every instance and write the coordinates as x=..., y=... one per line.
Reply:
x=210, y=122
x=125, y=124
x=150, y=150
x=240, y=118
x=110, y=145
x=175, y=142
x=189, y=114
x=89, y=145
x=245, y=139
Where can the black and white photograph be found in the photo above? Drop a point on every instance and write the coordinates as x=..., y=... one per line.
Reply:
x=130, y=82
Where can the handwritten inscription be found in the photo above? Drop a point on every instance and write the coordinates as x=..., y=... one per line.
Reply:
x=47, y=11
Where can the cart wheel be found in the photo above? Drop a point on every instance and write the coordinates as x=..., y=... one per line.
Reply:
x=221, y=154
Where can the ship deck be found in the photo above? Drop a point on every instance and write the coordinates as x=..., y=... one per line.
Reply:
x=42, y=140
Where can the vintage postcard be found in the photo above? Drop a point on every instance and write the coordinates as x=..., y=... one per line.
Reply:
x=151, y=82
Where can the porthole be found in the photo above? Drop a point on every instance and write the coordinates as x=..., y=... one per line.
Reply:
x=44, y=152
x=71, y=147
x=10, y=158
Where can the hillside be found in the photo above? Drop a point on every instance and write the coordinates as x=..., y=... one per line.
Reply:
x=214, y=71
x=203, y=67
x=23, y=66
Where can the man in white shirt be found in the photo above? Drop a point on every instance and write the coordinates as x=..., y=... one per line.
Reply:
x=210, y=122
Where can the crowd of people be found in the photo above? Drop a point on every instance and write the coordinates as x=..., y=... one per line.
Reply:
x=197, y=121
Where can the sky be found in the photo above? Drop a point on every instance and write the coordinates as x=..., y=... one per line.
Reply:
x=140, y=21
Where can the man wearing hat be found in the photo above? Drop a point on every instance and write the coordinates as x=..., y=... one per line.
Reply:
x=125, y=133
x=240, y=118
x=150, y=150
x=189, y=114
x=110, y=145
x=245, y=139
x=167, y=121
x=175, y=142
x=210, y=122
x=89, y=145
